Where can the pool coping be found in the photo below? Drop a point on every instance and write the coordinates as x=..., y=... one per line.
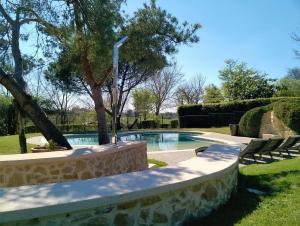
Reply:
x=212, y=136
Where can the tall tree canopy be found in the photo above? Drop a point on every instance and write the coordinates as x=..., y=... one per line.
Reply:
x=87, y=37
x=212, y=94
x=241, y=82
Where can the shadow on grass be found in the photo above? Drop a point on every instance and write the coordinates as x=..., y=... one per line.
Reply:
x=243, y=202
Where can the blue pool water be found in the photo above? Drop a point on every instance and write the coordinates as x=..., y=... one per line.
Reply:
x=156, y=141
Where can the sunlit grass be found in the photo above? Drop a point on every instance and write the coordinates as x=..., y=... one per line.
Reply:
x=10, y=144
x=280, y=205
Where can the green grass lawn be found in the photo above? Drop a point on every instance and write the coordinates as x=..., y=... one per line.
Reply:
x=157, y=163
x=10, y=144
x=280, y=206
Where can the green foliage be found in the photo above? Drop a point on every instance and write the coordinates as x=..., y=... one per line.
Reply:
x=153, y=35
x=72, y=128
x=174, y=123
x=249, y=124
x=143, y=101
x=212, y=94
x=288, y=87
x=240, y=82
x=51, y=145
x=289, y=113
x=7, y=116
x=157, y=163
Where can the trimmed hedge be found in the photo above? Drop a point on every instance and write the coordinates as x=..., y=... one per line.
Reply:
x=174, y=123
x=148, y=124
x=249, y=124
x=220, y=114
x=289, y=113
x=74, y=128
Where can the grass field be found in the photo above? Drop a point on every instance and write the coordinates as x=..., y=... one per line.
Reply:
x=280, y=205
x=10, y=144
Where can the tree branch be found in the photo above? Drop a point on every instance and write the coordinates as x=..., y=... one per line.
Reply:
x=6, y=16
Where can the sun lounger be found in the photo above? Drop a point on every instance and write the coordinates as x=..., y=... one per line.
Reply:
x=271, y=145
x=289, y=144
x=253, y=148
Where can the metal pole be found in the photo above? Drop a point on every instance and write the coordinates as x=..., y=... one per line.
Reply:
x=115, y=86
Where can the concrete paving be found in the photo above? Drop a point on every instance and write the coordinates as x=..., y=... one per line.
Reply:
x=172, y=157
x=176, y=156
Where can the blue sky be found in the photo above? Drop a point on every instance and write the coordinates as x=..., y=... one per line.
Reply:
x=255, y=31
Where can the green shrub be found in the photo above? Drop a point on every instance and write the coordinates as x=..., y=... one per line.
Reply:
x=174, y=123
x=289, y=113
x=148, y=124
x=7, y=116
x=249, y=124
x=72, y=128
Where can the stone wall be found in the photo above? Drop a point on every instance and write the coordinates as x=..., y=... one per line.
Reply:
x=270, y=124
x=166, y=208
x=80, y=163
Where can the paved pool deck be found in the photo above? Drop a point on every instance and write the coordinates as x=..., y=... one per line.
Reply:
x=173, y=157
x=176, y=156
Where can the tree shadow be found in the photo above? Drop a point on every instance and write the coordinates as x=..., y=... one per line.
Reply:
x=243, y=202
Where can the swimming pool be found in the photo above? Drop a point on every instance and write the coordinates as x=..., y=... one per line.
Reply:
x=156, y=141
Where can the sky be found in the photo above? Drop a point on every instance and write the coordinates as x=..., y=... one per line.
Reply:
x=257, y=32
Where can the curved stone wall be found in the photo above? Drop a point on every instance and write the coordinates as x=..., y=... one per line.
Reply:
x=166, y=196
x=80, y=163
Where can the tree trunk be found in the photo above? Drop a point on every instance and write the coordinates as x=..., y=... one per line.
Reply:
x=100, y=113
x=34, y=112
x=21, y=131
x=21, y=128
x=157, y=111
x=119, y=126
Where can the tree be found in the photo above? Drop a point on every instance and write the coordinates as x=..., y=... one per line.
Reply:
x=34, y=112
x=212, y=94
x=241, y=82
x=142, y=101
x=86, y=40
x=288, y=87
x=163, y=84
x=296, y=38
x=293, y=73
x=61, y=99
x=13, y=16
x=154, y=34
x=191, y=91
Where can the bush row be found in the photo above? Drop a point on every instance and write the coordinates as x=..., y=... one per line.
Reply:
x=76, y=128
x=228, y=107
x=220, y=114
